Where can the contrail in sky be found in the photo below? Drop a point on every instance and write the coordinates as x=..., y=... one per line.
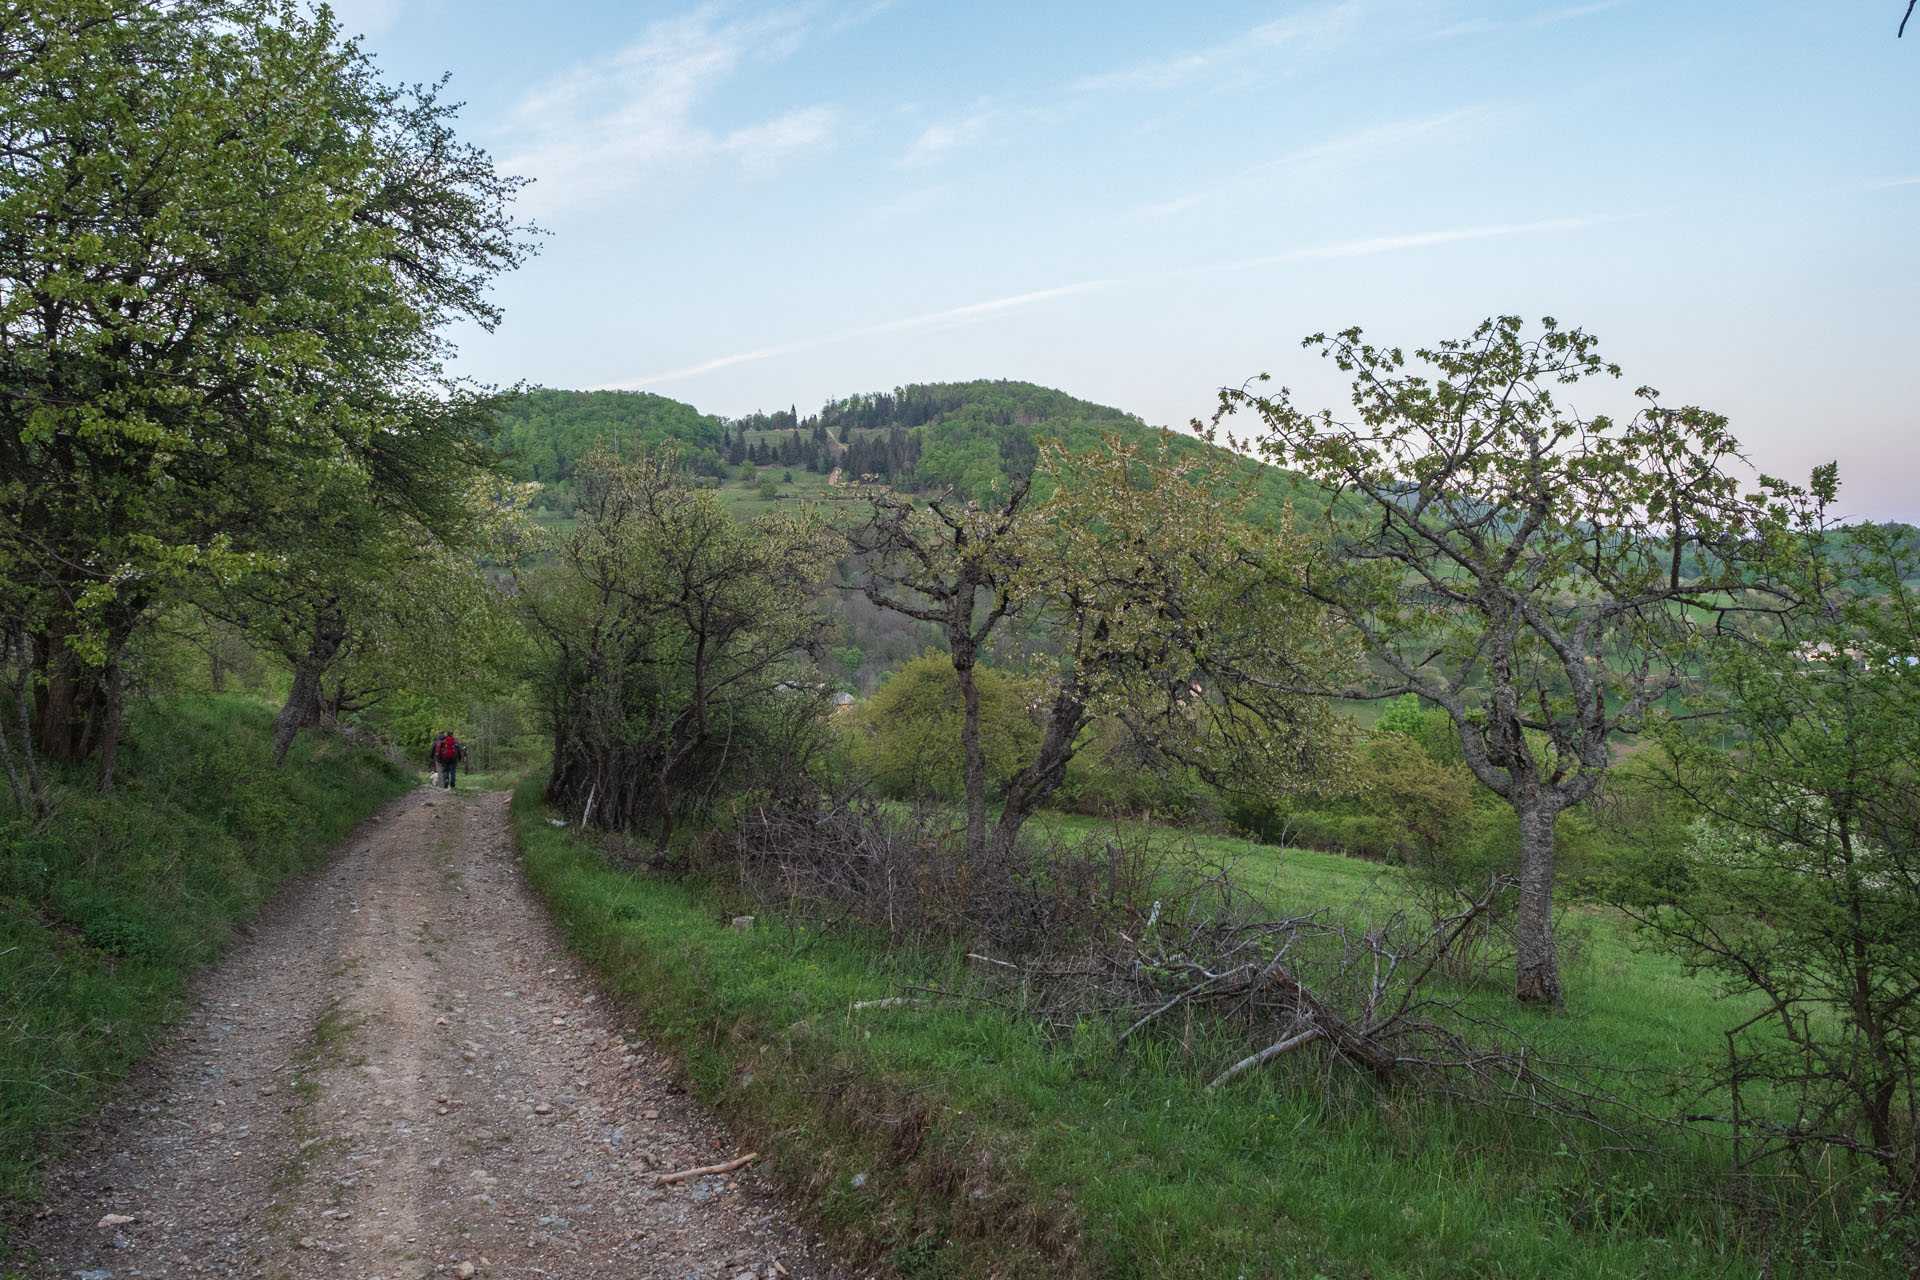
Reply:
x=994, y=306
x=952, y=316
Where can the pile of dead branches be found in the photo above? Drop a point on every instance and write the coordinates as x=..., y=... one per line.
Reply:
x=1138, y=930
x=904, y=872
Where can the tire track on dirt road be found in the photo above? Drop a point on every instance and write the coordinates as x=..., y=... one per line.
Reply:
x=402, y=1074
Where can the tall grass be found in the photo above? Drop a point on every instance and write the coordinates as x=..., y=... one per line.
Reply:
x=990, y=1146
x=106, y=909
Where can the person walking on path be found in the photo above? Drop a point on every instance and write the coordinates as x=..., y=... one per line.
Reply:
x=447, y=754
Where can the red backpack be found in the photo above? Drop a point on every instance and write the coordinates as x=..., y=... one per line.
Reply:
x=446, y=749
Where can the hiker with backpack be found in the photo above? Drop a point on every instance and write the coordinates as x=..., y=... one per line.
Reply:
x=447, y=754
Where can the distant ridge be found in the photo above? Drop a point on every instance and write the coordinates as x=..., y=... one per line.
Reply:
x=970, y=436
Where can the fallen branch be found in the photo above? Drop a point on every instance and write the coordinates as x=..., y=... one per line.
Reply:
x=891, y=1002
x=705, y=1169
x=1195, y=989
x=1266, y=1055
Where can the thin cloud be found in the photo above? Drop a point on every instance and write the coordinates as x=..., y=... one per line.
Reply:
x=763, y=147
x=948, y=318
x=1346, y=149
x=947, y=135
x=1565, y=15
x=1893, y=182
x=606, y=126
x=861, y=13
x=916, y=201
x=1313, y=31
x=1547, y=18
x=1418, y=240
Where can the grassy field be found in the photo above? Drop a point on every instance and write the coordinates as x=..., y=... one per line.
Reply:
x=989, y=1147
x=106, y=909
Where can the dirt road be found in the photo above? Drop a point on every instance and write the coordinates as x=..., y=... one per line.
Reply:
x=401, y=1074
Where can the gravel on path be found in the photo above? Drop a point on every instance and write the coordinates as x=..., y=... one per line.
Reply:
x=400, y=1074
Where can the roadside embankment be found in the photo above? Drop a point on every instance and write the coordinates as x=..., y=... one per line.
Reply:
x=107, y=907
x=860, y=1118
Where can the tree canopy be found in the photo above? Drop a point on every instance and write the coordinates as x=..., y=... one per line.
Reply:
x=227, y=253
x=1527, y=569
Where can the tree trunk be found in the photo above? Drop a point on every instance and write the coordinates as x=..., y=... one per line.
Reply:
x=303, y=700
x=975, y=767
x=55, y=729
x=110, y=729
x=1033, y=784
x=1536, y=964
x=31, y=791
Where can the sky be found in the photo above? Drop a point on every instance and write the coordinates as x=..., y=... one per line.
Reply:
x=754, y=205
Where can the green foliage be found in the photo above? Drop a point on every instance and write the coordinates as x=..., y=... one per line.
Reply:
x=1428, y=802
x=1106, y=776
x=547, y=434
x=666, y=639
x=907, y=735
x=1800, y=884
x=227, y=251
x=1157, y=604
x=105, y=908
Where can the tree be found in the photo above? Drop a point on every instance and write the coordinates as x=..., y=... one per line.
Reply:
x=1528, y=570
x=907, y=735
x=1429, y=800
x=227, y=251
x=375, y=602
x=1156, y=604
x=668, y=633
x=949, y=562
x=1800, y=886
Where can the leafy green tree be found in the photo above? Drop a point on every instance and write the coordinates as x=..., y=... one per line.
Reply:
x=1430, y=802
x=668, y=635
x=372, y=603
x=1800, y=887
x=227, y=251
x=1158, y=605
x=907, y=735
x=1521, y=567
x=1146, y=597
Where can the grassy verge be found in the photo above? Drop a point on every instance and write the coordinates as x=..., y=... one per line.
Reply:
x=990, y=1147
x=106, y=909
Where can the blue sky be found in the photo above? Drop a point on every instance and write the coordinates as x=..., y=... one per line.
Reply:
x=753, y=205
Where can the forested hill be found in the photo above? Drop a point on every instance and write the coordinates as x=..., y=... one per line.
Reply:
x=546, y=434
x=921, y=437
x=963, y=434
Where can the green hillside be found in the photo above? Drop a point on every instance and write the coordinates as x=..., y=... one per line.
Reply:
x=922, y=437
x=545, y=434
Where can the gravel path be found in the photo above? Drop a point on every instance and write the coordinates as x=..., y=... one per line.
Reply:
x=402, y=1074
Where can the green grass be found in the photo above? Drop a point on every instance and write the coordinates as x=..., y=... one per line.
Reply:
x=991, y=1147
x=106, y=909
